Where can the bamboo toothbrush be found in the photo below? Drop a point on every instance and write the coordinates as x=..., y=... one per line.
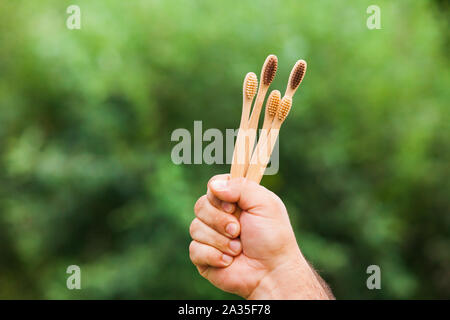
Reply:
x=272, y=106
x=268, y=72
x=295, y=78
x=263, y=151
x=248, y=93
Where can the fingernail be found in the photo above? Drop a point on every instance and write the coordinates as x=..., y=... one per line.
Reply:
x=227, y=259
x=235, y=245
x=228, y=207
x=219, y=185
x=231, y=229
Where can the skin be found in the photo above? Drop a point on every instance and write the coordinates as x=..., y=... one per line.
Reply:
x=243, y=243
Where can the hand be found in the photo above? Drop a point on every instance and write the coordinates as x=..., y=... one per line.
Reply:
x=265, y=262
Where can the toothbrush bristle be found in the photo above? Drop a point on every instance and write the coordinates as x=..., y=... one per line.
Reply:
x=285, y=106
x=251, y=84
x=270, y=69
x=297, y=74
x=273, y=103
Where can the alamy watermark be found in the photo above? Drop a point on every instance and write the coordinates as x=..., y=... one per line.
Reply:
x=74, y=280
x=374, y=280
x=74, y=20
x=374, y=20
x=190, y=149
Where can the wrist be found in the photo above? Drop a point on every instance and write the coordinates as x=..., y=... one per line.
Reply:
x=292, y=280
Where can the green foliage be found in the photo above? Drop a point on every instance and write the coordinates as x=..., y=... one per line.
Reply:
x=86, y=117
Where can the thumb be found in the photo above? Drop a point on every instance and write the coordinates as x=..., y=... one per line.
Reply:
x=246, y=193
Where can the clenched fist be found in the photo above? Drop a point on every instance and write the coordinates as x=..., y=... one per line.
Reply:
x=243, y=243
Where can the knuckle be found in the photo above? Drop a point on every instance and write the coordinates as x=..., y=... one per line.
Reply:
x=203, y=272
x=192, y=251
x=224, y=245
x=199, y=204
x=219, y=241
x=219, y=221
x=225, y=219
x=194, y=228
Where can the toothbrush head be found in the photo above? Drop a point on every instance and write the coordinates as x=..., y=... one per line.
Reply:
x=269, y=69
x=250, y=85
x=297, y=74
x=285, y=107
x=273, y=103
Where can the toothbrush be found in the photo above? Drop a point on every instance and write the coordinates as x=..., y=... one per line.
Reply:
x=268, y=72
x=248, y=93
x=263, y=151
x=295, y=78
x=273, y=102
x=272, y=106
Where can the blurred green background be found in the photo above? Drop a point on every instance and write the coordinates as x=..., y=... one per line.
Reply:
x=86, y=118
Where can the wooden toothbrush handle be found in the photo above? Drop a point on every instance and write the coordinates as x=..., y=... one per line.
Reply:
x=239, y=156
x=261, y=156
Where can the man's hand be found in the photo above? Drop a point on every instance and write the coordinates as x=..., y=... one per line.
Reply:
x=250, y=249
